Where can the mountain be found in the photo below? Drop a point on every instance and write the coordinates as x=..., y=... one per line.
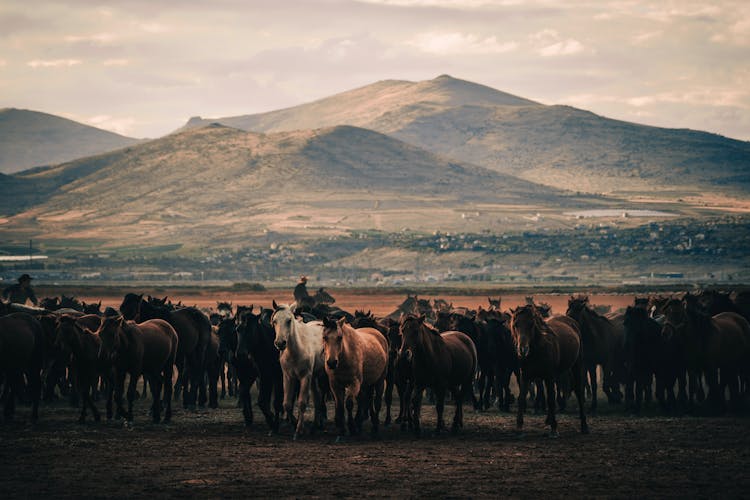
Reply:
x=222, y=184
x=557, y=146
x=30, y=138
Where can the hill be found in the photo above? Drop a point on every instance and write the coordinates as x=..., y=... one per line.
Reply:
x=30, y=138
x=557, y=146
x=220, y=184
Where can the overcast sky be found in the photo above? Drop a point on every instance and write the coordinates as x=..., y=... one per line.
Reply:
x=142, y=68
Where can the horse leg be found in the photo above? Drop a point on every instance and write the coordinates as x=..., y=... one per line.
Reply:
x=522, y=393
x=376, y=402
x=481, y=384
x=339, y=397
x=579, y=375
x=440, y=408
x=592, y=378
x=551, y=420
x=223, y=377
x=289, y=386
x=302, y=401
x=640, y=387
x=131, y=395
x=388, y=397
x=730, y=379
x=278, y=401
x=264, y=400
x=118, y=393
x=416, y=409
x=167, y=384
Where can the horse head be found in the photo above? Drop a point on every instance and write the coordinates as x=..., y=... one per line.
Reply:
x=333, y=340
x=409, y=329
x=576, y=305
x=283, y=324
x=109, y=333
x=525, y=324
x=131, y=306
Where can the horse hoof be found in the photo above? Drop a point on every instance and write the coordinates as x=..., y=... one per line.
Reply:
x=553, y=435
x=340, y=439
x=295, y=436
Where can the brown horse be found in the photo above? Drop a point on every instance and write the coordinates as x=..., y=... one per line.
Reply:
x=136, y=349
x=602, y=342
x=22, y=349
x=547, y=350
x=718, y=345
x=356, y=361
x=76, y=335
x=441, y=361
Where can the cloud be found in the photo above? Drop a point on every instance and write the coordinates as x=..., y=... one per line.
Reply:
x=97, y=38
x=737, y=33
x=460, y=43
x=642, y=38
x=53, y=63
x=709, y=96
x=3, y=62
x=562, y=48
x=123, y=126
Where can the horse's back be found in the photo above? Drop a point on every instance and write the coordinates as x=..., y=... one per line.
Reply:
x=463, y=353
x=732, y=339
x=193, y=329
x=160, y=342
x=568, y=339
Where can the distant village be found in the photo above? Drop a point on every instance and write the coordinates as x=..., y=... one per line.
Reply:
x=672, y=251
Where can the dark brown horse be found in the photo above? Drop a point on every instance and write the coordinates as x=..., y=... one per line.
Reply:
x=136, y=349
x=547, y=350
x=22, y=351
x=602, y=344
x=718, y=345
x=356, y=364
x=193, y=330
x=76, y=335
x=441, y=361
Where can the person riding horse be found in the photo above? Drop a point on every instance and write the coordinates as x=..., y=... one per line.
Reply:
x=21, y=291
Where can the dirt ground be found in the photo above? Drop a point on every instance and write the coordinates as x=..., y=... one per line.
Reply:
x=210, y=453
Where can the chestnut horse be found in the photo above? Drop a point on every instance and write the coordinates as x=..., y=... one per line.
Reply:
x=356, y=364
x=77, y=336
x=547, y=350
x=136, y=349
x=441, y=361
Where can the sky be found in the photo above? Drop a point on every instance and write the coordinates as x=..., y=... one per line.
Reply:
x=142, y=68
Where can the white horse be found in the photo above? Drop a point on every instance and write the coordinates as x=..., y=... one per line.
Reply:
x=301, y=347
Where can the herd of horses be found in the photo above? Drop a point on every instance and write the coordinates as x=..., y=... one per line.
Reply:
x=663, y=350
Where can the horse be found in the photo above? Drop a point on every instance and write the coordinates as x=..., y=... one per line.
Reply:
x=547, y=350
x=500, y=353
x=22, y=352
x=301, y=360
x=356, y=364
x=148, y=349
x=193, y=330
x=441, y=361
x=715, y=344
x=408, y=306
x=257, y=357
x=76, y=335
x=454, y=321
x=601, y=340
x=645, y=357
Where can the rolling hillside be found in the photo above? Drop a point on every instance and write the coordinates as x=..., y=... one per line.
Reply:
x=558, y=146
x=222, y=184
x=30, y=139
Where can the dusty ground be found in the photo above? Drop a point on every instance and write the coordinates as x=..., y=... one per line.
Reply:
x=211, y=454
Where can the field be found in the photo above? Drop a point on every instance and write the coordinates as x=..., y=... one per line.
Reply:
x=210, y=453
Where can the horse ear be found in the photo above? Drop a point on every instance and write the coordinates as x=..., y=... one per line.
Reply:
x=293, y=307
x=275, y=306
x=341, y=322
x=253, y=305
